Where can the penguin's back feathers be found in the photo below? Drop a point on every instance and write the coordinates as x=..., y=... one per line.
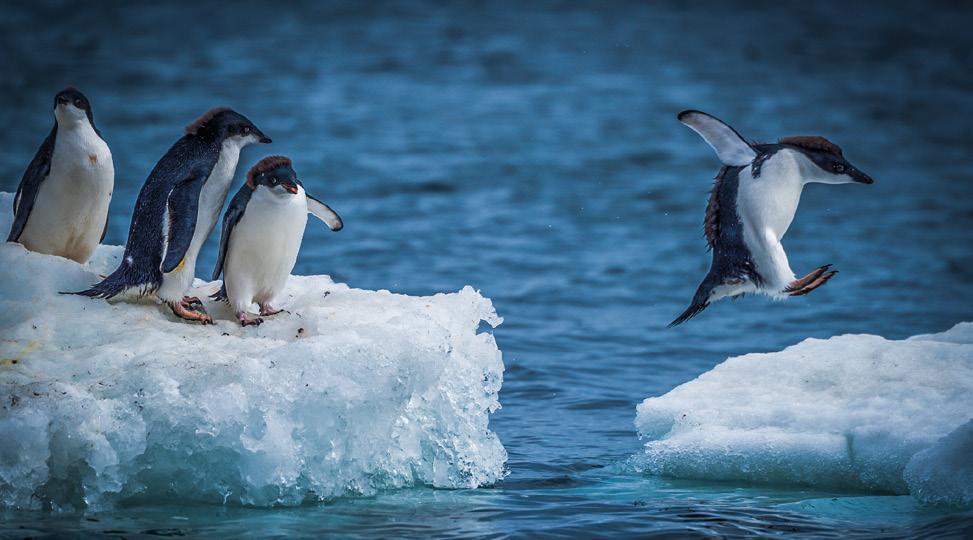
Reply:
x=37, y=171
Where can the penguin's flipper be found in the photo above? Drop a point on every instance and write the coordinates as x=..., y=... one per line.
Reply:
x=730, y=146
x=324, y=213
x=30, y=184
x=234, y=212
x=182, y=206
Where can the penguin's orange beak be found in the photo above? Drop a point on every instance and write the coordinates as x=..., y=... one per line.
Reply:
x=290, y=187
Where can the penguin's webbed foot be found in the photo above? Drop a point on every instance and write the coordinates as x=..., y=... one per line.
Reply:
x=248, y=320
x=267, y=310
x=819, y=276
x=190, y=311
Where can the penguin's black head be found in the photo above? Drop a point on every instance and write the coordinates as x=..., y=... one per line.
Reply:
x=70, y=105
x=276, y=173
x=831, y=167
x=223, y=123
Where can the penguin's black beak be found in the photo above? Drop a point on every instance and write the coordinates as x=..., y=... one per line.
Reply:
x=265, y=139
x=860, y=177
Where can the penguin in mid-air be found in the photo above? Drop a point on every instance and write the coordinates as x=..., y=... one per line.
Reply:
x=753, y=203
x=177, y=209
x=262, y=232
x=61, y=206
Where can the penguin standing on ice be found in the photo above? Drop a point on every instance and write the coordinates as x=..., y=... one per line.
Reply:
x=753, y=203
x=61, y=206
x=177, y=209
x=262, y=232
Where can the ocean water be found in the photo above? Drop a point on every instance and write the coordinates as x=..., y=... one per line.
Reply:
x=531, y=150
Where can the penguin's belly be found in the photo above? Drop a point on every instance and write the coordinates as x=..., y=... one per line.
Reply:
x=263, y=249
x=766, y=206
x=71, y=207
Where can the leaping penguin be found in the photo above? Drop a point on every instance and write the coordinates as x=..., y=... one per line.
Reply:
x=61, y=206
x=177, y=209
x=751, y=206
x=262, y=232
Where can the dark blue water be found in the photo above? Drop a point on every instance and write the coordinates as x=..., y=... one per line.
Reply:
x=532, y=151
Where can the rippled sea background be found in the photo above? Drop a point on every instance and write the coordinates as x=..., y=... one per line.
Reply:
x=531, y=150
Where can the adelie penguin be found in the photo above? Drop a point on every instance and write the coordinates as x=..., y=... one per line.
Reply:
x=753, y=203
x=262, y=233
x=177, y=209
x=61, y=206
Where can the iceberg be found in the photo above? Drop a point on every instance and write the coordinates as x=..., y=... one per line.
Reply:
x=350, y=393
x=856, y=412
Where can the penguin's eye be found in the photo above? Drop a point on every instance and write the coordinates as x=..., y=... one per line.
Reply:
x=246, y=130
x=78, y=103
x=273, y=180
x=838, y=168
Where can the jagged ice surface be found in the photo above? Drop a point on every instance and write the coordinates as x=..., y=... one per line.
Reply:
x=352, y=392
x=846, y=412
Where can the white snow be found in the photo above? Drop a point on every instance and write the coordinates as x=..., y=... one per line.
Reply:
x=351, y=392
x=847, y=412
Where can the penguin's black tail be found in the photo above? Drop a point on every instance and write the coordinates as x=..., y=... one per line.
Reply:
x=694, y=309
x=221, y=295
x=123, y=278
x=700, y=302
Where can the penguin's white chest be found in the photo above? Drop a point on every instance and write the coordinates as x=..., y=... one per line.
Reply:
x=71, y=207
x=769, y=201
x=213, y=195
x=766, y=206
x=263, y=247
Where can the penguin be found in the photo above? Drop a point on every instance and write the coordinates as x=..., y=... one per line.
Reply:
x=61, y=205
x=176, y=211
x=262, y=232
x=752, y=204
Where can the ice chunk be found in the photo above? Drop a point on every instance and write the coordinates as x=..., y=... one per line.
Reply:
x=943, y=474
x=846, y=412
x=351, y=392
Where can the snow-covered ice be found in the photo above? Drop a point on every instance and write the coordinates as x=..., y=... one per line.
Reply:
x=846, y=412
x=943, y=474
x=352, y=392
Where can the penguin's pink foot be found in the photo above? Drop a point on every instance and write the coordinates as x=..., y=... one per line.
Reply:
x=811, y=281
x=248, y=320
x=799, y=284
x=267, y=310
x=190, y=312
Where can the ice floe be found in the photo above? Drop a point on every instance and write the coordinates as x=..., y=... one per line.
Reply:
x=846, y=412
x=351, y=392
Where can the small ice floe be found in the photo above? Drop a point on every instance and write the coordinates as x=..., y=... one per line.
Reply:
x=849, y=412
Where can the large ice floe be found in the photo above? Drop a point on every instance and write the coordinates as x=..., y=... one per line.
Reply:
x=856, y=412
x=352, y=392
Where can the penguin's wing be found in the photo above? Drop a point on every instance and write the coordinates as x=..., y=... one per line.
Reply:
x=30, y=184
x=730, y=147
x=324, y=213
x=238, y=205
x=182, y=206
